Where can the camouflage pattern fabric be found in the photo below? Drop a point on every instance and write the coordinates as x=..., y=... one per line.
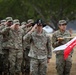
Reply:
x=15, y=49
x=26, y=60
x=40, y=50
x=63, y=66
x=38, y=66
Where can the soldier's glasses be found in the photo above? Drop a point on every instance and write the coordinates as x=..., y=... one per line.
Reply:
x=63, y=24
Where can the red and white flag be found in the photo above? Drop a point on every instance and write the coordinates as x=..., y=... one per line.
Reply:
x=68, y=47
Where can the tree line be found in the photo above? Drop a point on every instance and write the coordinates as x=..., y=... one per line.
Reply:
x=51, y=11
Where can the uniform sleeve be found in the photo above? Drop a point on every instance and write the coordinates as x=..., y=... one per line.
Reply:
x=28, y=29
x=23, y=27
x=27, y=37
x=49, y=47
x=4, y=30
x=1, y=27
x=55, y=42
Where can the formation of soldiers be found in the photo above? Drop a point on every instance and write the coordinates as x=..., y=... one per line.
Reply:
x=17, y=41
x=26, y=48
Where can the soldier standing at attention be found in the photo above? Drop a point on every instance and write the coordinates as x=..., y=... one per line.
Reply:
x=26, y=46
x=15, y=46
x=5, y=47
x=23, y=24
x=40, y=49
x=59, y=38
x=1, y=52
x=16, y=54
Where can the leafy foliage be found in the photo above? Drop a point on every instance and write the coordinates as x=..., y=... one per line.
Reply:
x=49, y=10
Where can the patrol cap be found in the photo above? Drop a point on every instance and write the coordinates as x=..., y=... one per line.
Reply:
x=23, y=23
x=30, y=21
x=9, y=19
x=3, y=21
x=16, y=21
x=61, y=22
x=39, y=22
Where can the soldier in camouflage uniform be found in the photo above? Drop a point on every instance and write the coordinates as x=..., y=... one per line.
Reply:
x=40, y=49
x=23, y=24
x=59, y=38
x=15, y=56
x=3, y=22
x=5, y=45
x=1, y=52
x=15, y=47
x=26, y=47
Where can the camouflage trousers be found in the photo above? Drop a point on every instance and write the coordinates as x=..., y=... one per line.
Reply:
x=15, y=59
x=38, y=66
x=26, y=63
x=63, y=66
x=1, y=64
x=5, y=60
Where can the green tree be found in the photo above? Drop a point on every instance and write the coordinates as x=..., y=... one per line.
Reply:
x=51, y=11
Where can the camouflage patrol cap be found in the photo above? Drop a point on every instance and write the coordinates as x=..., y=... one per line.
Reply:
x=16, y=21
x=30, y=21
x=23, y=23
x=9, y=19
x=3, y=21
x=61, y=22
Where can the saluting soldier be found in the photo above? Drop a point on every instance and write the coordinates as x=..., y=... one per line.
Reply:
x=40, y=49
x=15, y=46
x=5, y=47
x=26, y=46
x=1, y=52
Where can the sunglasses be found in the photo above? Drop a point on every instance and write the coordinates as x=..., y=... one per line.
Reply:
x=62, y=24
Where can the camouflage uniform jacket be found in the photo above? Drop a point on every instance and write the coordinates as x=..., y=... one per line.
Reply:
x=26, y=44
x=5, y=37
x=1, y=38
x=58, y=34
x=40, y=45
x=14, y=38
